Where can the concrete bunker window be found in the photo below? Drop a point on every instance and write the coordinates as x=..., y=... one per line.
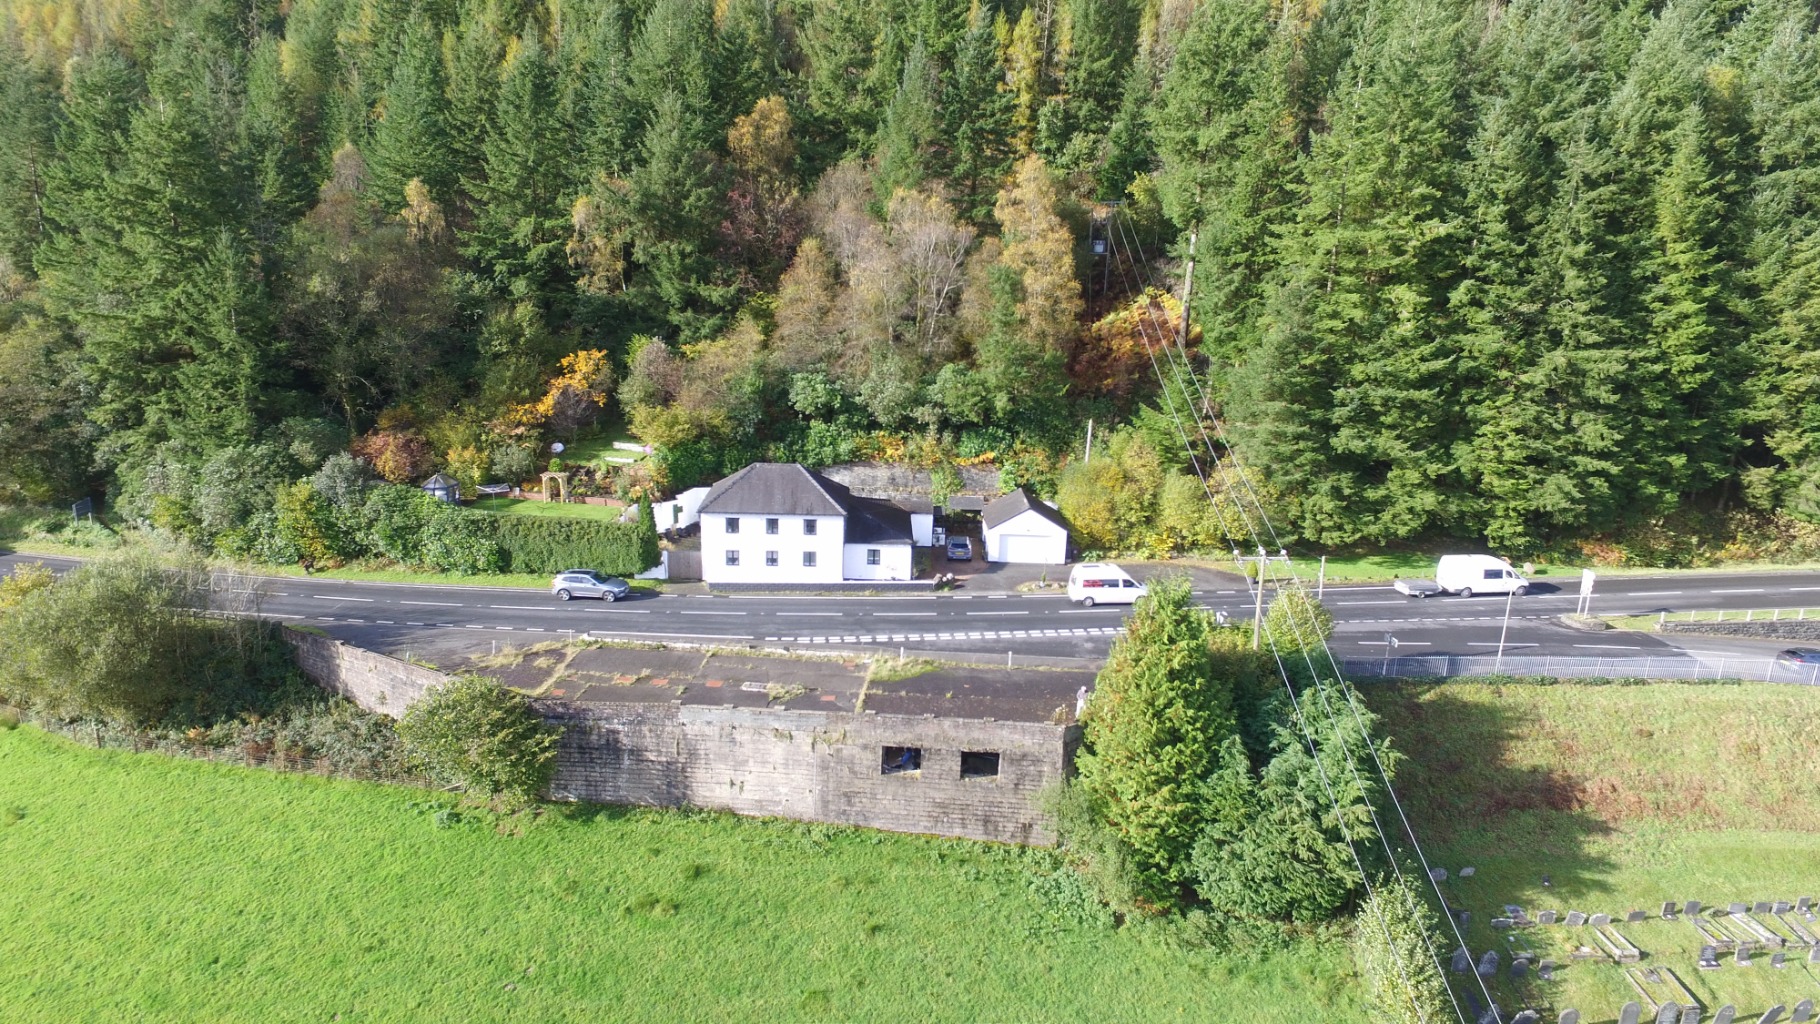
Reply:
x=898, y=760
x=808, y=527
x=771, y=526
x=770, y=558
x=979, y=764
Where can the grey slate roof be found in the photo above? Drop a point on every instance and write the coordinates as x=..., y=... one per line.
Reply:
x=791, y=489
x=777, y=489
x=440, y=480
x=964, y=503
x=1015, y=503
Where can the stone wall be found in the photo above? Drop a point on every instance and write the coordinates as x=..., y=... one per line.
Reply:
x=807, y=765
x=373, y=681
x=812, y=766
x=1786, y=629
x=890, y=481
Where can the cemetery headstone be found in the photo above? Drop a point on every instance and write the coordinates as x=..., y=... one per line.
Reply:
x=1738, y=908
x=1771, y=1015
x=1546, y=970
x=1465, y=918
x=1568, y=1016
x=1742, y=957
x=1692, y=908
x=1631, y=1013
x=1546, y=917
x=1690, y=1015
x=1778, y=960
x=1635, y=917
x=1519, y=969
x=1709, y=958
x=1488, y=964
x=1599, y=920
x=1668, y=1013
x=1437, y=874
x=1575, y=918
x=1668, y=909
x=1462, y=961
x=1491, y=1015
x=1527, y=1017
x=1813, y=955
x=1781, y=907
x=1760, y=907
x=1803, y=903
x=1725, y=1014
x=1804, y=1012
x=1467, y=872
x=1502, y=923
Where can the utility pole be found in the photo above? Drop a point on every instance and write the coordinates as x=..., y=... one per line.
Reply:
x=1194, y=235
x=1263, y=559
x=1089, y=458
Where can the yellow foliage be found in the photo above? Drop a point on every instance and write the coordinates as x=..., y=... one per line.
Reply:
x=586, y=374
x=25, y=581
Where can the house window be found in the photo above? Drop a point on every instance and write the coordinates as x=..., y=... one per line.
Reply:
x=770, y=558
x=898, y=760
x=771, y=526
x=732, y=524
x=871, y=556
x=979, y=764
x=732, y=558
x=808, y=559
x=808, y=527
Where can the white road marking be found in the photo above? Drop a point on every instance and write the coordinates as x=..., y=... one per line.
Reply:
x=325, y=597
x=998, y=613
x=533, y=629
x=1794, y=590
x=1609, y=647
x=1652, y=593
x=1756, y=590
x=824, y=615
x=904, y=615
x=520, y=607
x=1400, y=643
x=713, y=613
x=434, y=604
x=1084, y=611
x=1361, y=604
x=278, y=615
x=386, y=622
x=1487, y=643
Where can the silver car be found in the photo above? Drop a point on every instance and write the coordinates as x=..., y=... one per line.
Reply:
x=573, y=583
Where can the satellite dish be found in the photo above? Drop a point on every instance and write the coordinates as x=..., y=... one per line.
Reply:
x=556, y=446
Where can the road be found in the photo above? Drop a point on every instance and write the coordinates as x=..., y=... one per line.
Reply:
x=425, y=618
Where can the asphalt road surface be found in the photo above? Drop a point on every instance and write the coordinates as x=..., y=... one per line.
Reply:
x=399, y=617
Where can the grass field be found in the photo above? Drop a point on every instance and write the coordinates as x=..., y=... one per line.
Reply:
x=557, y=509
x=1625, y=796
x=146, y=889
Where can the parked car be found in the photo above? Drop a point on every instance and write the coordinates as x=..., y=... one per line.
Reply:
x=572, y=583
x=1799, y=657
x=1092, y=583
x=1467, y=575
x=960, y=549
x=1416, y=588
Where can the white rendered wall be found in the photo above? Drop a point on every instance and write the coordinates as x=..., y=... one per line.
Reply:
x=789, y=542
x=894, y=562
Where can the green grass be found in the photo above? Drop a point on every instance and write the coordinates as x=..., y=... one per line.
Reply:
x=1648, y=622
x=1381, y=568
x=1626, y=796
x=490, y=579
x=151, y=890
x=557, y=509
x=590, y=449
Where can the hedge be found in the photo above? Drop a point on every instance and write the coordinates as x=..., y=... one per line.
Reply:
x=536, y=544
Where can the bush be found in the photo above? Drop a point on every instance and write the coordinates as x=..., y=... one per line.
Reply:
x=488, y=739
x=1403, y=983
x=536, y=544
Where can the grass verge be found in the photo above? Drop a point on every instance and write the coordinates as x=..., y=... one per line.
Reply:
x=164, y=890
x=552, y=509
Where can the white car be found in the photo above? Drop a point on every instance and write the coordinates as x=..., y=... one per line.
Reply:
x=1092, y=583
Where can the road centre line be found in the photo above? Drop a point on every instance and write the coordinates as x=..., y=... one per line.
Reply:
x=1488, y=643
x=1653, y=593
x=1795, y=590
x=904, y=615
x=1609, y=647
x=714, y=613
x=326, y=597
x=997, y=613
x=1361, y=604
x=823, y=615
x=1400, y=643
x=434, y=604
x=1756, y=590
x=520, y=607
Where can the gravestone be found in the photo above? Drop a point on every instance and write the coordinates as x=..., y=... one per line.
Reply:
x=1468, y=872
x=1462, y=961
x=1692, y=908
x=1491, y=1015
x=1502, y=923
x=1813, y=955
x=1546, y=917
x=1781, y=907
x=1546, y=970
x=1742, y=957
x=1668, y=1013
x=1599, y=920
x=1725, y=1014
x=1631, y=1013
x=1568, y=1016
x=1437, y=874
x=1690, y=1015
x=1778, y=960
x=1635, y=917
x=1488, y=964
x=1519, y=969
x=1771, y=1015
x=1760, y=907
x=1803, y=903
x=1739, y=908
x=1804, y=1012
x=1709, y=958
x=1668, y=910
x=1575, y=918
x=1527, y=1017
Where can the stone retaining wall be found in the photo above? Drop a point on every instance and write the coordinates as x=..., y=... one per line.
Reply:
x=807, y=765
x=890, y=481
x=1786, y=629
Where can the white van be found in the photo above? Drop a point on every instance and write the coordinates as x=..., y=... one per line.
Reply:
x=1092, y=583
x=1467, y=575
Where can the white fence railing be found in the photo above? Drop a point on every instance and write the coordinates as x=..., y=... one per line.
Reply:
x=1759, y=669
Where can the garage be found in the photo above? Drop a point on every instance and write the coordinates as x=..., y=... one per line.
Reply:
x=1023, y=529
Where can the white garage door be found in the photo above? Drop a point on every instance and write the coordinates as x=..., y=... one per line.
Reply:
x=1025, y=547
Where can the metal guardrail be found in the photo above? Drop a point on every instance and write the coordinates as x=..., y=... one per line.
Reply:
x=1767, y=670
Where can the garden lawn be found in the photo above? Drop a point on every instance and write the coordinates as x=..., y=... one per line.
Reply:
x=558, y=509
x=1626, y=797
x=151, y=889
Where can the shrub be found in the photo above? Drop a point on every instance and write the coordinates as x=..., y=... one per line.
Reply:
x=306, y=521
x=1396, y=932
x=459, y=541
x=535, y=544
x=488, y=739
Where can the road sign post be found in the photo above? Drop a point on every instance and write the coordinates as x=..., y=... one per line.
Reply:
x=1584, y=607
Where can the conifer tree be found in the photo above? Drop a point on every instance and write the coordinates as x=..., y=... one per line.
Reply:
x=102, y=93
x=910, y=127
x=474, y=53
x=837, y=43
x=975, y=121
x=28, y=124
x=674, y=57
x=521, y=227
x=607, y=126
x=1102, y=39
x=412, y=139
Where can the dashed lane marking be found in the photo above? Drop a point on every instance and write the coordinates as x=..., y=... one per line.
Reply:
x=327, y=597
x=435, y=604
x=871, y=638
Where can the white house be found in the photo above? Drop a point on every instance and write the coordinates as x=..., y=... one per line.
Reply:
x=680, y=512
x=780, y=522
x=1021, y=528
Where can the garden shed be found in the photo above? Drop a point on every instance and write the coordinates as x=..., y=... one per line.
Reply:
x=1020, y=527
x=443, y=487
